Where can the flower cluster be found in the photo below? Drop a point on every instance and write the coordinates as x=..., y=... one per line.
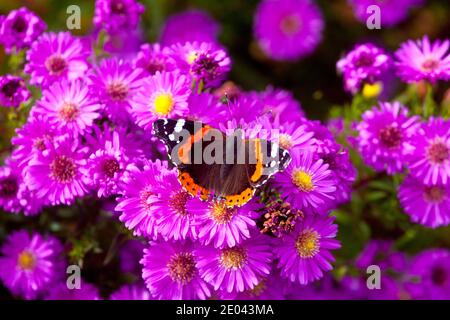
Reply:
x=89, y=136
x=365, y=64
x=414, y=61
x=390, y=139
x=288, y=29
x=82, y=158
x=422, y=276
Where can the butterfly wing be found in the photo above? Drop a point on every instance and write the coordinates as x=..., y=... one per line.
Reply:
x=185, y=139
x=233, y=181
x=269, y=157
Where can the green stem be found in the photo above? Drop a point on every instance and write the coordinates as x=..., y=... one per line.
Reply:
x=428, y=103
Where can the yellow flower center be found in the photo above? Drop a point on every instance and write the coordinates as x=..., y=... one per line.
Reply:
x=220, y=213
x=302, y=180
x=307, y=244
x=233, y=258
x=163, y=104
x=372, y=90
x=182, y=267
x=68, y=111
x=191, y=57
x=285, y=141
x=26, y=260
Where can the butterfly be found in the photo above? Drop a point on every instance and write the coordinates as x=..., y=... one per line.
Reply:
x=212, y=164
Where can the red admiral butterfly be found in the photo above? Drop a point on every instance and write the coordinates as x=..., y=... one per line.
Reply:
x=213, y=164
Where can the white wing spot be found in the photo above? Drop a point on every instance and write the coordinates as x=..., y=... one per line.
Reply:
x=179, y=125
x=274, y=151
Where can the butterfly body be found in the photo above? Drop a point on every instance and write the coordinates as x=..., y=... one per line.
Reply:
x=212, y=164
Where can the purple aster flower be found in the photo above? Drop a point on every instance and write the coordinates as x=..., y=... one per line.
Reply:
x=60, y=291
x=163, y=95
x=307, y=184
x=430, y=159
x=11, y=185
x=203, y=61
x=206, y=108
x=30, y=203
x=423, y=60
x=153, y=58
x=15, y=196
x=431, y=275
x=20, y=28
x=288, y=29
x=342, y=171
x=129, y=255
x=425, y=204
x=135, y=142
x=136, y=204
x=305, y=253
x=58, y=174
x=68, y=106
x=366, y=63
x=131, y=292
x=392, y=12
x=385, y=136
x=383, y=254
x=32, y=138
x=211, y=67
x=115, y=82
x=116, y=15
x=191, y=25
x=108, y=162
x=223, y=226
x=236, y=269
x=13, y=91
x=169, y=203
x=29, y=264
x=56, y=56
x=170, y=271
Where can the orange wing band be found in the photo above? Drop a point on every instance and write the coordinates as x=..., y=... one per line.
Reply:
x=183, y=152
x=239, y=199
x=191, y=187
x=259, y=162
